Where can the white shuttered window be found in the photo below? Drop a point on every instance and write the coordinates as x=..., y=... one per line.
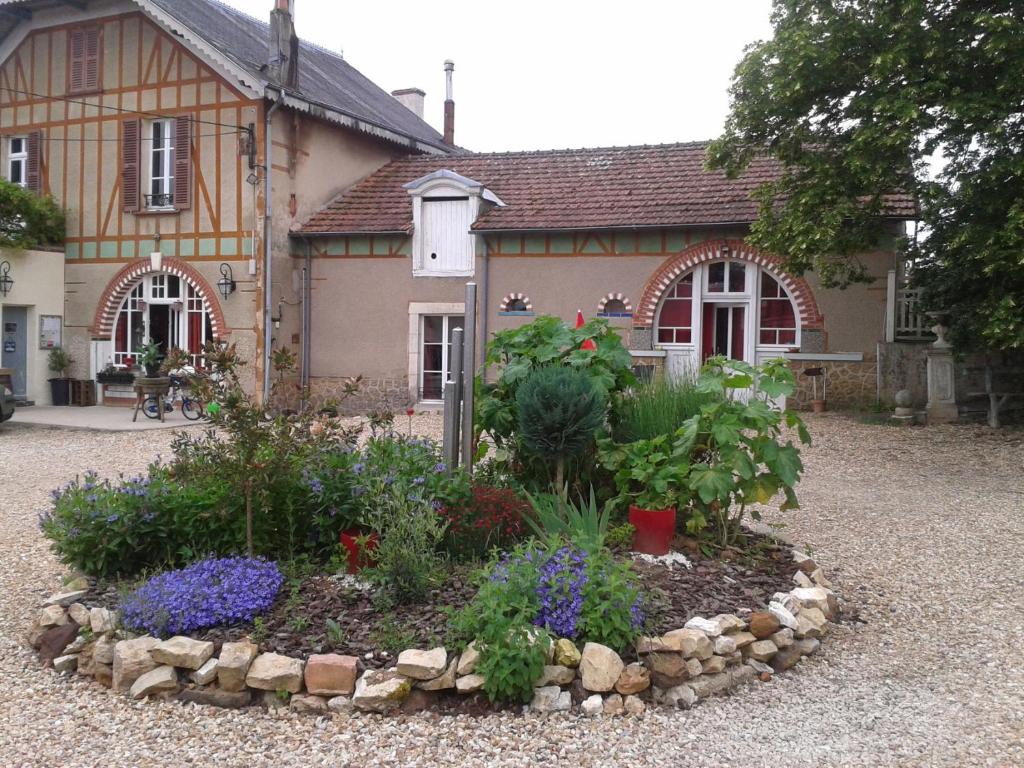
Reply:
x=446, y=247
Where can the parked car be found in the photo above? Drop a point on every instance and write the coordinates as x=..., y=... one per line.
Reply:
x=6, y=404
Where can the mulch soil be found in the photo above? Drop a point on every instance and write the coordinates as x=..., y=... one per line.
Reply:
x=298, y=626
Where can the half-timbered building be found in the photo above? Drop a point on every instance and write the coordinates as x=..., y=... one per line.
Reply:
x=183, y=138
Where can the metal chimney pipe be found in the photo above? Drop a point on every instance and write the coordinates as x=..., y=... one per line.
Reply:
x=449, y=104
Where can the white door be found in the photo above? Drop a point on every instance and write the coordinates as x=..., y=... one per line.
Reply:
x=447, y=246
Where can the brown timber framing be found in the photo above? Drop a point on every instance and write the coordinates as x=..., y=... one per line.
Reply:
x=142, y=68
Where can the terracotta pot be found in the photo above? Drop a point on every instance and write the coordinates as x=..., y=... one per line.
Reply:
x=654, y=529
x=358, y=557
x=818, y=406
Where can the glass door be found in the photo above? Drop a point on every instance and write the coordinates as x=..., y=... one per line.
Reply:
x=724, y=331
x=435, y=352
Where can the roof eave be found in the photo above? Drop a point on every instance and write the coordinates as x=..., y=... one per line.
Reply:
x=334, y=115
x=350, y=233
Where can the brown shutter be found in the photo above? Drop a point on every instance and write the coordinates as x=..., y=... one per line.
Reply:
x=33, y=175
x=183, y=162
x=130, y=134
x=76, y=60
x=91, y=64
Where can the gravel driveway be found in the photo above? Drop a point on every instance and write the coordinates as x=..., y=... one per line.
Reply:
x=920, y=529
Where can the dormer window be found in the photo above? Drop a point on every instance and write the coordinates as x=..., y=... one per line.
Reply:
x=444, y=206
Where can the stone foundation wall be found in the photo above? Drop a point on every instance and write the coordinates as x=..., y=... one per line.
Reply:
x=847, y=385
x=391, y=392
x=706, y=657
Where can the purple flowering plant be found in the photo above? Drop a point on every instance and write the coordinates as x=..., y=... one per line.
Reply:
x=207, y=593
x=566, y=590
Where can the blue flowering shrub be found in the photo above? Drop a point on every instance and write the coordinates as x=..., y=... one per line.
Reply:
x=205, y=594
x=531, y=594
x=402, y=487
x=119, y=528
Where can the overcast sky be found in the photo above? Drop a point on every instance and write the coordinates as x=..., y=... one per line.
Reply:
x=541, y=75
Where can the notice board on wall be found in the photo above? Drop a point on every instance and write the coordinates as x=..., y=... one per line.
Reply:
x=50, y=327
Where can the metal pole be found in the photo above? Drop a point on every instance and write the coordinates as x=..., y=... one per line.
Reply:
x=268, y=246
x=469, y=374
x=452, y=402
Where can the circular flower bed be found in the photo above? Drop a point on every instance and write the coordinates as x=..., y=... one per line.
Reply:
x=707, y=655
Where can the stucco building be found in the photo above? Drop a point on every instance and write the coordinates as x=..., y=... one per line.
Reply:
x=225, y=180
x=644, y=236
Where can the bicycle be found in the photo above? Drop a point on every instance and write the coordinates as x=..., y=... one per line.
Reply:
x=191, y=408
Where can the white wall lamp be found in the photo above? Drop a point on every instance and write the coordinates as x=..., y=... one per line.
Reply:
x=156, y=258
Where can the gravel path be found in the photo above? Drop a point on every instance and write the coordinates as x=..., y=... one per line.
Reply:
x=920, y=529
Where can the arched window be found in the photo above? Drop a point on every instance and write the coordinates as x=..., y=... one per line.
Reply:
x=615, y=305
x=675, y=320
x=731, y=308
x=166, y=309
x=516, y=303
x=778, y=320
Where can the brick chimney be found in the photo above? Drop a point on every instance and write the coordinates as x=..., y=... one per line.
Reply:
x=411, y=99
x=283, y=63
x=449, y=104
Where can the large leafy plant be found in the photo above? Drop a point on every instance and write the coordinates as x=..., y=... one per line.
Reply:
x=650, y=474
x=740, y=455
x=725, y=460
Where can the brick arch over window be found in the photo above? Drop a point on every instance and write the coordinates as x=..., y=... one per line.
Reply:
x=119, y=286
x=711, y=250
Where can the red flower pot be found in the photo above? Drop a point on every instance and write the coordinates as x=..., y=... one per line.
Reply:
x=654, y=529
x=358, y=557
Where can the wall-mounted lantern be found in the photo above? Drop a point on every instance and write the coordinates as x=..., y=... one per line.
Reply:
x=724, y=249
x=156, y=258
x=226, y=284
x=6, y=283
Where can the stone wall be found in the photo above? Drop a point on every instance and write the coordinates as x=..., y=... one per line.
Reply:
x=706, y=657
x=848, y=384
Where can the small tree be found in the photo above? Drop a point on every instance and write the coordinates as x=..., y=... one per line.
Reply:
x=560, y=410
x=260, y=444
x=59, y=361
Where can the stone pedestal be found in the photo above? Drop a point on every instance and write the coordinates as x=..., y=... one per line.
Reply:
x=941, y=381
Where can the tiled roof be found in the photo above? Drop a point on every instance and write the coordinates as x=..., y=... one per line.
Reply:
x=616, y=187
x=324, y=76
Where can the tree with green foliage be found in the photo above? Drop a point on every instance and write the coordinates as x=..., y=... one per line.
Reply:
x=28, y=220
x=858, y=99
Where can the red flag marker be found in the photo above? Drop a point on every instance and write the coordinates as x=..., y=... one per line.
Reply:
x=589, y=343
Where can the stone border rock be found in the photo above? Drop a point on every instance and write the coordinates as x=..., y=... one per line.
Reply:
x=706, y=657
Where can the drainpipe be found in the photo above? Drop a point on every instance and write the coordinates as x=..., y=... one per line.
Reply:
x=307, y=315
x=268, y=251
x=482, y=336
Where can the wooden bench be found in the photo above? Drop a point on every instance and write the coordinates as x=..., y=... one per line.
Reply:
x=997, y=398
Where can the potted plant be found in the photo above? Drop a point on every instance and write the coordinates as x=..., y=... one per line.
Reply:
x=150, y=359
x=60, y=386
x=112, y=375
x=650, y=476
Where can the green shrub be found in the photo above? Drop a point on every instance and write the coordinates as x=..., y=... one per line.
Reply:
x=409, y=532
x=559, y=412
x=512, y=659
x=657, y=407
x=545, y=342
x=109, y=529
x=528, y=593
x=556, y=519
